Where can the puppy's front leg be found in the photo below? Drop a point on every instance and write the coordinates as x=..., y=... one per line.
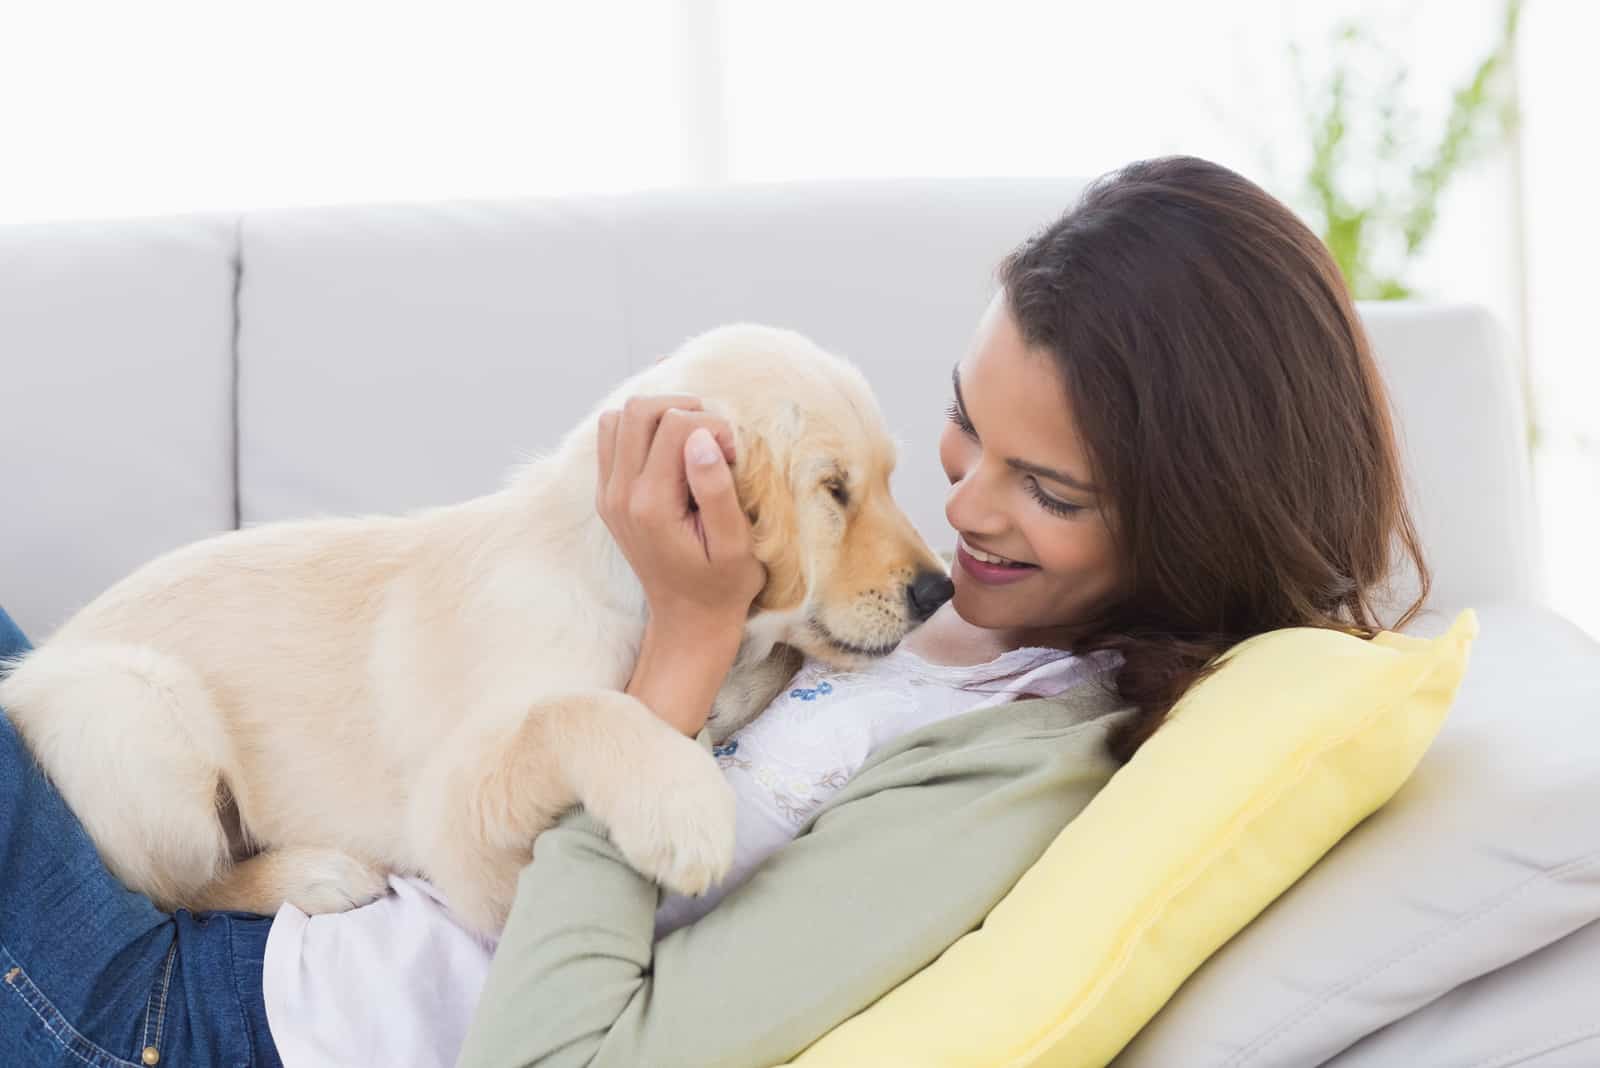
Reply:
x=491, y=791
x=749, y=689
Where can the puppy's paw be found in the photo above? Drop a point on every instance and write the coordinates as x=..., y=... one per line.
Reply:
x=327, y=880
x=675, y=822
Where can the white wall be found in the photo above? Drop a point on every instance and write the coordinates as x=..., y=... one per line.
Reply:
x=113, y=108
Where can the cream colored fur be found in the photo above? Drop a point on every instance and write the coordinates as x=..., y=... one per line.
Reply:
x=426, y=693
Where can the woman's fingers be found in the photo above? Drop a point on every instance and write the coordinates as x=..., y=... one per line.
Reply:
x=664, y=473
x=656, y=460
x=640, y=417
x=660, y=488
x=724, y=526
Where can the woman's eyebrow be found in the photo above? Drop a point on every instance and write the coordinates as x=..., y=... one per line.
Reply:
x=1022, y=465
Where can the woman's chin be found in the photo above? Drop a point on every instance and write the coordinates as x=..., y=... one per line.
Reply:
x=977, y=608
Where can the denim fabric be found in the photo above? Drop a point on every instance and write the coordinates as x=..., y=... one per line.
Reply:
x=93, y=974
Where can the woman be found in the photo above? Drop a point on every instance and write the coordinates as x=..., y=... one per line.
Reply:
x=1168, y=436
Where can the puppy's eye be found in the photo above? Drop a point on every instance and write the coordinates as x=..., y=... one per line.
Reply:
x=839, y=491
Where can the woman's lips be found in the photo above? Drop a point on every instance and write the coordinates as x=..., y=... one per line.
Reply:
x=991, y=574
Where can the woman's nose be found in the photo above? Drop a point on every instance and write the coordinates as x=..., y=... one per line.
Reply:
x=971, y=505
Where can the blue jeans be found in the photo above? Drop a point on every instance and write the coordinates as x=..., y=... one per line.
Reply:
x=91, y=973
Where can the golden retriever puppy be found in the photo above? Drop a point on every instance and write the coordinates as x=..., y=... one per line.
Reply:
x=290, y=712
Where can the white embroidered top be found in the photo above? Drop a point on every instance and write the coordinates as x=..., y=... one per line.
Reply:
x=816, y=734
x=395, y=982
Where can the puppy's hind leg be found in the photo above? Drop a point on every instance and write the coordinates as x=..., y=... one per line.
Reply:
x=313, y=880
x=132, y=739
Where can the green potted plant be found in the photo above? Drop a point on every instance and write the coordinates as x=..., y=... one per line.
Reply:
x=1372, y=186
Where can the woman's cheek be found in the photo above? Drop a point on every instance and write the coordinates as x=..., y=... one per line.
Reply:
x=1088, y=562
x=1066, y=552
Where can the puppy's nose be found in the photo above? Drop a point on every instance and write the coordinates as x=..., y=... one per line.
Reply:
x=927, y=592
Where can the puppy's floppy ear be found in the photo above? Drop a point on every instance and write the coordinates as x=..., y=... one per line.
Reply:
x=767, y=495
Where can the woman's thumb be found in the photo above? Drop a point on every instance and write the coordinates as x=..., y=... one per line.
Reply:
x=711, y=483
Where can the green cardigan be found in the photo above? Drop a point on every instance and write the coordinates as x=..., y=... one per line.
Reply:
x=910, y=855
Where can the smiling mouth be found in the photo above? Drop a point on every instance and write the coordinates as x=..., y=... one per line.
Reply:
x=849, y=647
x=985, y=557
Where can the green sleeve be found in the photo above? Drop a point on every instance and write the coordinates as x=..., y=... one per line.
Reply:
x=883, y=881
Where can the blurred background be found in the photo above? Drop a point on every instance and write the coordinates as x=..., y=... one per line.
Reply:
x=1439, y=146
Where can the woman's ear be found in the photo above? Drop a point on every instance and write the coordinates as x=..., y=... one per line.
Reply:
x=767, y=495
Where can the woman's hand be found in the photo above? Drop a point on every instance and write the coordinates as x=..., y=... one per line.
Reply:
x=666, y=493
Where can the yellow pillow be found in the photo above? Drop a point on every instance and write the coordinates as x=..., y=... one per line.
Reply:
x=1264, y=766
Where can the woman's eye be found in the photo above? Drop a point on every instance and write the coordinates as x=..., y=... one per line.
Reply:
x=1049, y=503
x=957, y=417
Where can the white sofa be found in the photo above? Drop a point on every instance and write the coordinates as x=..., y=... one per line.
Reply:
x=165, y=380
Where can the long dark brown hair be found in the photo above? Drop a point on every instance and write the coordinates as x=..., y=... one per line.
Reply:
x=1232, y=413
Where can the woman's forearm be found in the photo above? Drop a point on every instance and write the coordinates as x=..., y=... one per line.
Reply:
x=681, y=666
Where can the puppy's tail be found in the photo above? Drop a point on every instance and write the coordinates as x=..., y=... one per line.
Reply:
x=134, y=742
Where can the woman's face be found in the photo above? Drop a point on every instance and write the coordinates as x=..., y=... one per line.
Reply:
x=1034, y=550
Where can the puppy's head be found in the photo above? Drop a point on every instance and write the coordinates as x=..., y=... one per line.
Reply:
x=847, y=574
